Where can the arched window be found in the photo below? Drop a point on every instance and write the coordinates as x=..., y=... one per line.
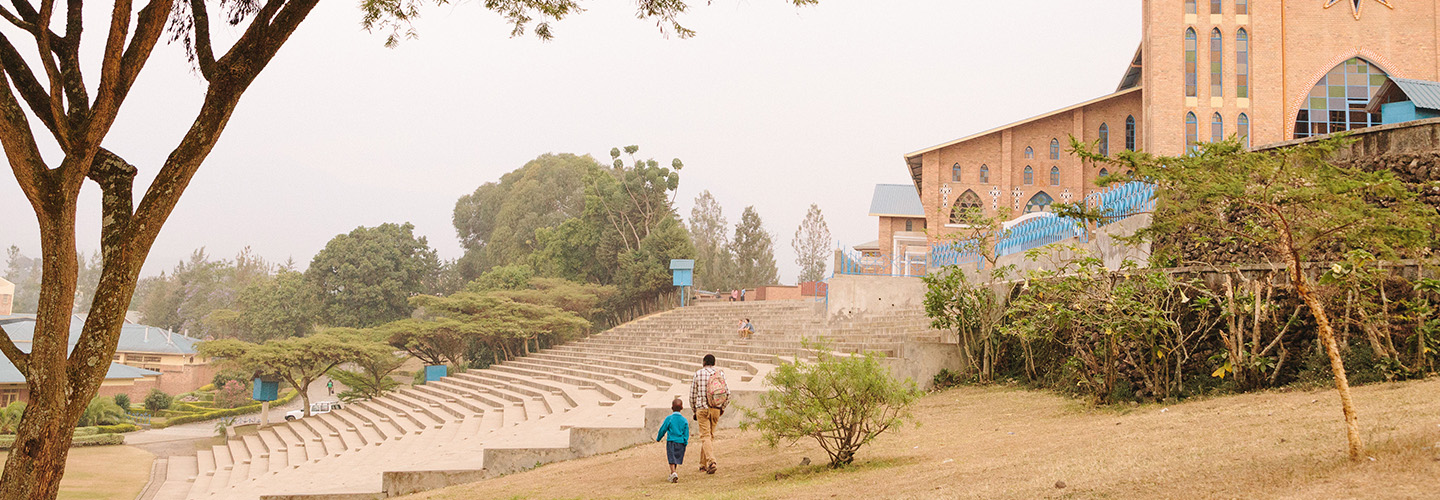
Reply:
x=1191, y=58
x=1104, y=172
x=1029, y=152
x=1242, y=7
x=1242, y=64
x=955, y=173
x=1029, y=175
x=1215, y=7
x=1189, y=6
x=1054, y=149
x=1039, y=203
x=1192, y=132
x=1217, y=64
x=1054, y=176
x=1104, y=140
x=1242, y=129
x=1130, y=133
x=984, y=174
x=1217, y=128
x=966, y=208
x=1338, y=100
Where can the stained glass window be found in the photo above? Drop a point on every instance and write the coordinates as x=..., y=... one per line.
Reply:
x=1104, y=140
x=1029, y=152
x=1104, y=172
x=1054, y=176
x=1054, y=149
x=1242, y=7
x=966, y=207
x=1217, y=64
x=984, y=174
x=1337, y=102
x=1215, y=7
x=1217, y=128
x=1242, y=129
x=1039, y=203
x=1192, y=132
x=1242, y=64
x=1130, y=132
x=1191, y=62
x=955, y=173
x=1189, y=6
x=1029, y=175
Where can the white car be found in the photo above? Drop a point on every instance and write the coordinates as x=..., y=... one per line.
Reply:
x=315, y=409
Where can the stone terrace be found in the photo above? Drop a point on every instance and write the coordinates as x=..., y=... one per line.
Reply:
x=576, y=399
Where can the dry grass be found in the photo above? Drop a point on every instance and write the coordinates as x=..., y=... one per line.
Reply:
x=1016, y=444
x=104, y=472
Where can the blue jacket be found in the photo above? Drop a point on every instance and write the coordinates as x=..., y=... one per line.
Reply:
x=676, y=426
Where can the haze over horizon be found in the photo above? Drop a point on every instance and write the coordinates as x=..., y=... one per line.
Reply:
x=340, y=132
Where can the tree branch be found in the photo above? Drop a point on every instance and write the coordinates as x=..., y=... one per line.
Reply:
x=24, y=80
x=21, y=150
x=57, y=99
x=118, y=71
x=204, y=52
x=19, y=358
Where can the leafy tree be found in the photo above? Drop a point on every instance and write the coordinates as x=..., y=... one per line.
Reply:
x=497, y=222
x=366, y=277
x=631, y=201
x=226, y=376
x=10, y=417
x=122, y=400
x=157, y=400
x=439, y=341
x=714, y=266
x=299, y=360
x=1293, y=204
x=232, y=394
x=812, y=245
x=284, y=305
x=78, y=122
x=101, y=411
x=376, y=362
x=841, y=401
x=515, y=277
x=754, y=252
x=188, y=299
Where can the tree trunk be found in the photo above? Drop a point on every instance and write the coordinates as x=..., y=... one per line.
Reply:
x=1327, y=339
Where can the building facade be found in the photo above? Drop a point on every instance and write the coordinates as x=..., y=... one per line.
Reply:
x=1206, y=70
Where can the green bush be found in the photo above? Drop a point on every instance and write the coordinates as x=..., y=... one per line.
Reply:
x=101, y=411
x=197, y=417
x=117, y=428
x=10, y=417
x=86, y=431
x=123, y=401
x=842, y=401
x=206, y=388
x=158, y=400
x=226, y=376
x=6, y=442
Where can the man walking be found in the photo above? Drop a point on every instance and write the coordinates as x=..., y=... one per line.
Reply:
x=707, y=415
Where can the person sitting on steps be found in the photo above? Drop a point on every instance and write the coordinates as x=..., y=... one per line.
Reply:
x=746, y=328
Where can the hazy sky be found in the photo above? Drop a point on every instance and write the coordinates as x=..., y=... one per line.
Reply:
x=770, y=105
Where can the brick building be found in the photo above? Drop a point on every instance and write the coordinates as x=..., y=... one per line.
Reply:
x=1205, y=70
x=145, y=358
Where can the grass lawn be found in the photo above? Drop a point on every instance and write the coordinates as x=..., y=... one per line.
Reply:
x=1017, y=444
x=104, y=472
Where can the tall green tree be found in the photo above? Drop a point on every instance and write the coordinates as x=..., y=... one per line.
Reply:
x=366, y=277
x=276, y=307
x=1294, y=204
x=300, y=361
x=714, y=266
x=754, y=252
x=187, y=299
x=497, y=223
x=45, y=88
x=812, y=245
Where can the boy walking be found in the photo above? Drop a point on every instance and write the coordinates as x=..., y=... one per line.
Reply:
x=678, y=431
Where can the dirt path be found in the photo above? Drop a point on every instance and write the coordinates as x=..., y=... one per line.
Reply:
x=1010, y=443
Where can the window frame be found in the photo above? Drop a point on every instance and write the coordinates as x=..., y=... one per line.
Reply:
x=1242, y=129
x=1054, y=148
x=1104, y=139
x=984, y=173
x=1055, y=176
x=1130, y=133
x=1242, y=63
x=1192, y=63
x=1192, y=132
x=1217, y=63
x=956, y=173
x=1029, y=176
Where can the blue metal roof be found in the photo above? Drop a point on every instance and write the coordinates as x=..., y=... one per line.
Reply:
x=1424, y=94
x=133, y=338
x=896, y=200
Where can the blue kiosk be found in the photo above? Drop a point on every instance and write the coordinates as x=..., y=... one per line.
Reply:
x=683, y=272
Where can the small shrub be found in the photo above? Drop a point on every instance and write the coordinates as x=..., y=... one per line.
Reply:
x=233, y=394
x=842, y=401
x=158, y=400
x=117, y=428
x=221, y=378
x=206, y=388
x=947, y=379
x=123, y=401
x=10, y=417
x=101, y=411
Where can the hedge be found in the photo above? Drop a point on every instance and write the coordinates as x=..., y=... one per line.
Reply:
x=197, y=417
x=88, y=440
x=117, y=428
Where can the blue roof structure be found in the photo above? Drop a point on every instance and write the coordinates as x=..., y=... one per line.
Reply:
x=896, y=200
x=1425, y=94
x=133, y=338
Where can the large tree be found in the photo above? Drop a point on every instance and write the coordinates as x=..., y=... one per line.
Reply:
x=366, y=278
x=812, y=245
x=77, y=117
x=714, y=266
x=754, y=252
x=299, y=361
x=497, y=222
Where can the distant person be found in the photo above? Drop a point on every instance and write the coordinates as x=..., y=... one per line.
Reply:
x=330, y=385
x=708, y=397
x=742, y=295
x=678, y=432
x=734, y=295
x=746, y=329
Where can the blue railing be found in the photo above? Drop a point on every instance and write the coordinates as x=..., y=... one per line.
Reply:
x=1116, y=203
x=138, y=418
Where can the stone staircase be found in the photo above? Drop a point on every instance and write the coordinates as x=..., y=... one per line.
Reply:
x=585, y=397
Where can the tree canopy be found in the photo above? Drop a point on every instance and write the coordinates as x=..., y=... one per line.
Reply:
x=812, y=245
x=754, y=252
x=366, y=277
x=497, y=223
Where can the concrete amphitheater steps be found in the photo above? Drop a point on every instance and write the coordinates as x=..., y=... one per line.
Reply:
x=585, y=397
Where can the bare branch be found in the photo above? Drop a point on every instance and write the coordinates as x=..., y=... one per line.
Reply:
x=19, y=358
x=118, y=72
x=20, y=148
x=204, y=53
x=24, y=80
x=57, y=103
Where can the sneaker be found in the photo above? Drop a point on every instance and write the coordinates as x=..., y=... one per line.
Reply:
x=710, y=469
x=674, y=478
